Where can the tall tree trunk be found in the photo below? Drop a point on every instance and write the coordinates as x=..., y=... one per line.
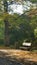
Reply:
x=6, y=40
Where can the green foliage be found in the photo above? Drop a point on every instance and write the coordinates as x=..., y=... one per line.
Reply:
x=34, y=1
x=1, y=32
x=1, y=29
x=34, y=29
x=20, y=28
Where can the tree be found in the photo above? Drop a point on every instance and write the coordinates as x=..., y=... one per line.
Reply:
x=33, y=15
x=34, y=1
x=21, y=27
x=5, y=15
x=6, y=24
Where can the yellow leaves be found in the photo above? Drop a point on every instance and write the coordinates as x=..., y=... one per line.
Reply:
x=5, y=16
x=32, y=12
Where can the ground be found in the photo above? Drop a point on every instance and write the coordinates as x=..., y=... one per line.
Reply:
x=17, y=57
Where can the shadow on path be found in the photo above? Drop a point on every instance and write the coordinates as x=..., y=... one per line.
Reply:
x=5, y=60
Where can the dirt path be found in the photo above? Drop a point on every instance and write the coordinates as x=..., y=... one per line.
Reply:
x=17, y=57
x=5, y=59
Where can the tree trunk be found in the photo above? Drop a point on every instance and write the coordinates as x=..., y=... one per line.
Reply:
x=6, y=40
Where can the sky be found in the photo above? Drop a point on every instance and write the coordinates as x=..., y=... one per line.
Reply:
x=19, y=8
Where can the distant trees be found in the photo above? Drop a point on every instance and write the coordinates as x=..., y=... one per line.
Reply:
x=34, y=28
x=33, y=1
x=23, y=28
x=20, y=28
